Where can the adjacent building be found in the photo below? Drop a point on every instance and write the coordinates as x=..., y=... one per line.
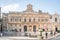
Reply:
x=0, y=20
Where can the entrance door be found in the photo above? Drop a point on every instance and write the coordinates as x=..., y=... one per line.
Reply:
x=56, y=29
x=25, y=28
x=20, y=30
x=34, y=28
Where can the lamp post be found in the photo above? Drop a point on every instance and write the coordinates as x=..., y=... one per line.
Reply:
x=40, y=30
x=46, y=33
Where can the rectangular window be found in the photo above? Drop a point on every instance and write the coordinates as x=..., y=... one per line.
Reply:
x=38, y=19
x=25, y=20
x=15, y=19
x=12, y=19
x=34, y=19
x=20, y=19
x=42, y=20
x=29, y=19
x=46, y=19
x=55, y=19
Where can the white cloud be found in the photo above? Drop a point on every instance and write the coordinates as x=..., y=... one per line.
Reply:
x=11, y=7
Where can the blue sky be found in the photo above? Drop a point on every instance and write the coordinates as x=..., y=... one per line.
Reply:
x=50, y=6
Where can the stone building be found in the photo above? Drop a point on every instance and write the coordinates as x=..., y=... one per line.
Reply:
x=30, y=20
x=0, y=20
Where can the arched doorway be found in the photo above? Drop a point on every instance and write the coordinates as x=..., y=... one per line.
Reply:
x=34, y=28
x=56, y=29
x=20, y=30
x=25, y=28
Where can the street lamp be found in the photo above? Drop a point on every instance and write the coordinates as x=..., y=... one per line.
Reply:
x=40, y=30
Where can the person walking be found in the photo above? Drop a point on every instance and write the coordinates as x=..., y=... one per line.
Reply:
x=51, y=33
x=46, y=34
x=54, y=33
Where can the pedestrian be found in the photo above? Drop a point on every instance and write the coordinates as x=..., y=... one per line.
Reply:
x=51, y=33
x=46, y=34
x=54, y=33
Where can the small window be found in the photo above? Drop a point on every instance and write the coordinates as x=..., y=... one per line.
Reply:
x=15, y=19
x=12, y=18
x=30, y=26
x=15, y=30
x=20, y=19
x=38, y=19
x=20, y=30
x=46, y=19
x=29, y=19
x=25, y=20
x=42, y=19
x=50, y=16
x=34, y=19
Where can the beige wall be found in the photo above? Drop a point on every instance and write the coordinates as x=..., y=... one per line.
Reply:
x=50, y=24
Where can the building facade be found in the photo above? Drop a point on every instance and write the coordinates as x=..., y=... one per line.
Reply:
x=0, y=20
x=30, y=21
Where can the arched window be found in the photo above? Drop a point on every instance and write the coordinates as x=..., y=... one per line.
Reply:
x=24, y=19
x=38, y=19
x=29, y=19
x=15, y=30
x=20, y=19
x=20, y=30
x=25, y=28
x=34, y=19
x=46, y=19
x=12, y=18
x=42, y=20
x=55, y=19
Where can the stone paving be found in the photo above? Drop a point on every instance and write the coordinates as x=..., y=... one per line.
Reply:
x=29, y=38
x=17, y=38
x=55, y=38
